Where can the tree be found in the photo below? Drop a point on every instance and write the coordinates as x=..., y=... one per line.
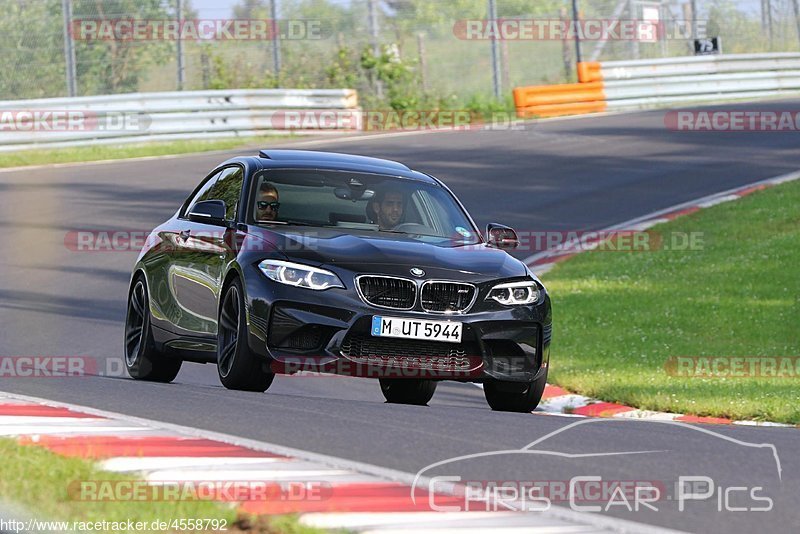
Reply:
x=115, y=65
x=31, y=49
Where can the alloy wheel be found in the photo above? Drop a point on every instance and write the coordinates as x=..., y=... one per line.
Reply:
x=134, y=326
x=228, y=330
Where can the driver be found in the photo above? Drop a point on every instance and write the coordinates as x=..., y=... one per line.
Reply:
x=267, y=204
x=387, y=208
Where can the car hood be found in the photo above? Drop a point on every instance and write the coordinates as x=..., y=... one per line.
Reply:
x=396, y=254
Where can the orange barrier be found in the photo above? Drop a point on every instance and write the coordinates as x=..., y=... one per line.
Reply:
x=589, y=71
x=557, y=110
x=587, y=96
x=525, y=97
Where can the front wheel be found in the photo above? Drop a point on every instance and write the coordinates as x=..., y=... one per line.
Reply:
x=142, y=360
x=407, y=390
x=238, y=367
x=522, y=397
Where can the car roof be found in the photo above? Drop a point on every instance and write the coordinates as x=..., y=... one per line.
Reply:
x=337, y=161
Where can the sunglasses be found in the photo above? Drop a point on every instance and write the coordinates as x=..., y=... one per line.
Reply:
x=263, y=204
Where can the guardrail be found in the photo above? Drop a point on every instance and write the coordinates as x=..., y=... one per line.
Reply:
x=660, y=82
x=137, y=117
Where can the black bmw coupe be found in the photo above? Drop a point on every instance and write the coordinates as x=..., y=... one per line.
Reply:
x=300, y=261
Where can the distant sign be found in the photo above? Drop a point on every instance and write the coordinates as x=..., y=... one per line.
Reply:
x=709, y=45
x=650, y=26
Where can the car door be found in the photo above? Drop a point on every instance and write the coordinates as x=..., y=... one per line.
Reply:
x=202, y=251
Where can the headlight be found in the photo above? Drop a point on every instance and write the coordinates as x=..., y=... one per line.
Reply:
x=296, y=274
x=515, y=293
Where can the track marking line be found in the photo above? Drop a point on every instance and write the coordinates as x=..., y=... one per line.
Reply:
x=378, y=490
x=126, y=464
x=658, y=216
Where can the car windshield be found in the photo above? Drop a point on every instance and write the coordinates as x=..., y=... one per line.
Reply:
x=359, y=202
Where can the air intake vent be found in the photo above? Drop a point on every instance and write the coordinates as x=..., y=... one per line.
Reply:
x=388, y=292
x=410, y=353
x=308, y=337
x=444, y=297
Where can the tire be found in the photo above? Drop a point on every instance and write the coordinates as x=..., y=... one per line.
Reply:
x=407, y=390
x=521, y=397
x=237, y=366
x=142, y=360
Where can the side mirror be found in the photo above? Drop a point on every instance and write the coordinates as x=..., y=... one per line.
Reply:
x=501, y=236
x=209, y=212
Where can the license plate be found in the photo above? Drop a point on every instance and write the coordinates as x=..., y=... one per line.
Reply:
x=449, y=331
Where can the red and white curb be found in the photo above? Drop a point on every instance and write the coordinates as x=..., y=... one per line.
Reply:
x=556, y=400
x=358, y=497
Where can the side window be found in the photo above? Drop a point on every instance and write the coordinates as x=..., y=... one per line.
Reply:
x=228, y=187
x=201, y=194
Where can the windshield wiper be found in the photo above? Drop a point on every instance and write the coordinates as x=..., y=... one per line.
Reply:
x=412, y=233
x=289, y=223
x=301, y=223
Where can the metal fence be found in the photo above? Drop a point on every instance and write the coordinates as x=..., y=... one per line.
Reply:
x=136, y=117
x=668, y=81
x=410, y=53
x=644, y=83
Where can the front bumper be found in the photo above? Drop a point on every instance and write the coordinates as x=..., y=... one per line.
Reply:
x=329, y=331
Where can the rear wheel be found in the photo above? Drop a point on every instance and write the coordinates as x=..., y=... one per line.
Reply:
x=407, y=390
x=142, y=360
x=520, y=397
x=238, y=367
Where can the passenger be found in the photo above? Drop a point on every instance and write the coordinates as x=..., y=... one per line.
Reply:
x=267, y=205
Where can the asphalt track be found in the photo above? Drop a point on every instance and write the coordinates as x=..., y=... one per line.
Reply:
x=578, y=174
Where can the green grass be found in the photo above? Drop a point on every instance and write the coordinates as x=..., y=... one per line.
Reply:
x=46, y=155
x=38, y=480
x=620, y=316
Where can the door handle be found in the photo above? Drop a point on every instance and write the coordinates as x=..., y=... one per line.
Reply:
x=184, y=234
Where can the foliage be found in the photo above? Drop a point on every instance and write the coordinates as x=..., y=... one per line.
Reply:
x=117, y=66
x=32, y=62
x=235, y=71
x=400, y=79
x=343, y=69
x=20, y=61
x=739, y=32
x=484, y=106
